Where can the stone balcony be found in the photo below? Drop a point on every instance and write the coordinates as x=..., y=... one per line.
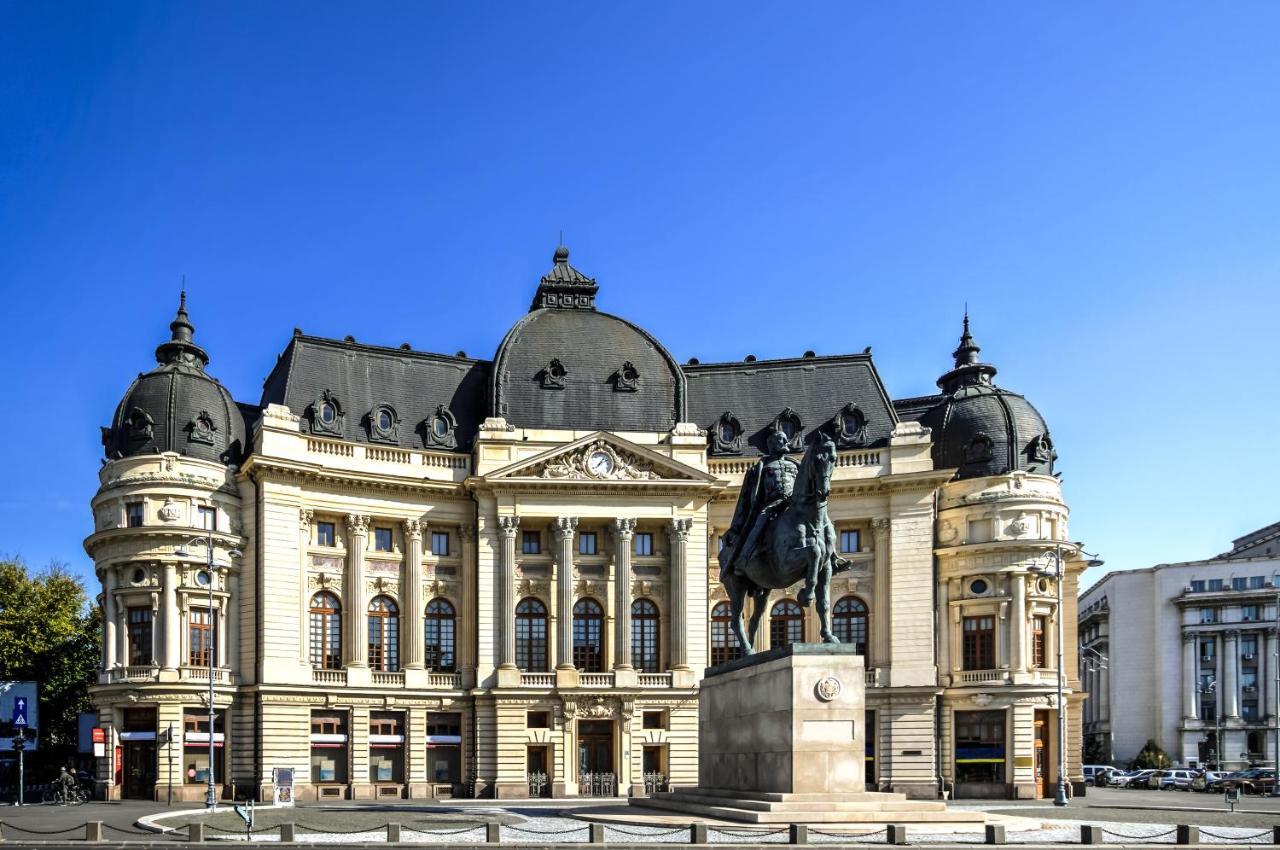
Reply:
x=142, y=673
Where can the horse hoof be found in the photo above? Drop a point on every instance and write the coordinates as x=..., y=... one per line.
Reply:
x=827, y=637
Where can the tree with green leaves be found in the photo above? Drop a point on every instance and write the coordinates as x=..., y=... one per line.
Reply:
x=52, y=635
x=1151, y=756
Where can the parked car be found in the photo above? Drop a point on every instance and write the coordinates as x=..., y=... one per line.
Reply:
x=1098, y=774
x=1258, y=781
x=1176, y=779
x=1203, y=781
x=1136, y=778
x=1220, y=783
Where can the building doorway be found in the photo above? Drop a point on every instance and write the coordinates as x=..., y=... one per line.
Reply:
x=1040, y=760
x=139, y=770
x=869, y=730
x=596, y=777
x=538, y=770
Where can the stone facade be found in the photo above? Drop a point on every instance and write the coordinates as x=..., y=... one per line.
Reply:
x=471, y=606
x=1195, y=645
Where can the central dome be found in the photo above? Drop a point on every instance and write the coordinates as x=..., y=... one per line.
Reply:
x=566, y=365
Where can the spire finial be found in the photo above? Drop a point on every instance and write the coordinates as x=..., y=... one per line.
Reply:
x=181, y=345
x=967, y=370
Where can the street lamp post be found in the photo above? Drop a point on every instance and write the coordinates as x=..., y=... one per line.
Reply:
x=211, y=792
x=1275, y=710
x=1211, y=687
x=1059, y=573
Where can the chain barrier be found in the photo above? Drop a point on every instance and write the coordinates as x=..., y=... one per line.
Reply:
x=10, y=825
x=548, y=832
x=747, y=833
x=444, y=831
x=213, y=828
x=1131, y=837
x=680, y=829
x=332, y=831
x=814, y=831
x=135, y=831
x=1266, y=833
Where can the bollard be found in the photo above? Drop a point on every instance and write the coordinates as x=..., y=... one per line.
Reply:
x=1090, y=834
x=799, y=834
x=288, y=833
x=195, y=833
x=1275, y=835
x=895, y=833
x=698, y=833
x=93, y=831
x=1188, y=834
x=1, y=832
x=493, y=833
x=393, y=833
x=994, y=833
x=596, y=831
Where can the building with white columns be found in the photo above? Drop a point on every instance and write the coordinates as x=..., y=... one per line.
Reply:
x=440, y=575
x=1184, y=654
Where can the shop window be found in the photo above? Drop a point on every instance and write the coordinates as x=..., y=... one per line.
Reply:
x=980, y=747
x=329, y=742
x=444, y=747
x=195, y=746
x=386, y=746
x=979, y=639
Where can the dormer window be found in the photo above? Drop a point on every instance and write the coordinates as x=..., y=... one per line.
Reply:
x=326, y=414
x=626, y=379
x=141, y=425
x=383, y=423
x=850, y=426
x=726, y=435
x=552, y=375
x=439, y=428
x=979, y=449
x=788, y=422
x=201, y=429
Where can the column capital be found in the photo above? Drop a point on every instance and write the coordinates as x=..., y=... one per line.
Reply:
x=508, y=525
x=624, y=527
x=1231, y=634
x=563, y=527
x=305, y=516
x=412, y=529
x=358, y=524
x=880, y=526
x=467, y=531
x=679, y=528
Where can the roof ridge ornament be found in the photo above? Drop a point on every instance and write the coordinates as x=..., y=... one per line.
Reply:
x=564, y=287
x=181, y=347
x=968, y=370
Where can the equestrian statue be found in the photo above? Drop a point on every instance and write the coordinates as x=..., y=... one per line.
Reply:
x=781, y=534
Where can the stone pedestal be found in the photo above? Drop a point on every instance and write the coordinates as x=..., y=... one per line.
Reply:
x=781, y=740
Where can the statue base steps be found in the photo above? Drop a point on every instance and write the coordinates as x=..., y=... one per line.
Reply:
x=864, y=808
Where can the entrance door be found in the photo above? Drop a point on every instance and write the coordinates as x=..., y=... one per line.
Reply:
x=139, y=770
x=1041, y=745
x=595, y=758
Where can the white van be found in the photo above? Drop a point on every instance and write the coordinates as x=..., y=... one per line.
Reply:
x=1098, y=774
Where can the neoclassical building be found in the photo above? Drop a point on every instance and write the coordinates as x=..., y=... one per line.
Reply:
x=437, y=575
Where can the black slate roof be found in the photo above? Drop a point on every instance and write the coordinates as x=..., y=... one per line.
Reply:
x=359, y=378
x=816, y=389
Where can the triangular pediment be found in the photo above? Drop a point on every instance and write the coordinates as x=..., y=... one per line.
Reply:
x=601, y=457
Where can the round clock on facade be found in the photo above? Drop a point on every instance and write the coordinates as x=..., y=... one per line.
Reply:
x=600, y=463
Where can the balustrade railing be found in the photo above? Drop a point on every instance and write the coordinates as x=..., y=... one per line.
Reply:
x=135, y=673
x=328, y=677
x=595, y=680
x=537, y=680
x=444, y=680
x=654, y=680
x=390, y=678
x=221, y=675
x=973, y=677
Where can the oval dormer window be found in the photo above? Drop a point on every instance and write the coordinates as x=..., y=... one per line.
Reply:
x=440, y=427
x=850, y=424
x=328, y=413
x=384, y=420
x=727, y=432
x=788, y=428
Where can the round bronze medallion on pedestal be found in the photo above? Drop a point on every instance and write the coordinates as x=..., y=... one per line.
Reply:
x=828, y=688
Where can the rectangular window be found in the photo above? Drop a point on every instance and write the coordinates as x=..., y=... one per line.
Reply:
x=849, y=540
x=1208, y=615
x=1215, y=584
x=1257, y=582
x=980, y=748
x=644, y=543
x=440, y=543
x=208, y=518
x=979, y=643
x=140, y=653
x=1038, y=654
x=587, y=543
x=1249, y=648
x=195, y=745
x=1208, y=650
x=539, y=720
x=1249, y=711
x=1208, y=709
x=1239, y=583
x=531, y=543
x=1249, y=678
x=328, y=747
x=1197, y=585
x=1249, y=613
x=134, y=512
x=324, y=534
x=654, y=720
x=444, y=747
x=200, y=638
x=979, y=531
x=382, y=539
x=386, y=746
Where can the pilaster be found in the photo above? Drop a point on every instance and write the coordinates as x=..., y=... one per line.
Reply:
x=678, y=535
x=467, y=636
x=411, y=597
x=109, y=619
x=355, y=605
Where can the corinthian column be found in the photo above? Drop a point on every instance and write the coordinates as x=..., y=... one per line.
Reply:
x=411, y=596
x=353, y=589
x=169, y=613
x=1230, y=675
x=678, y=534
x=1189, y=709
x=623, y=533
x=563, y=529
x=508, y=527
x=1018, y=624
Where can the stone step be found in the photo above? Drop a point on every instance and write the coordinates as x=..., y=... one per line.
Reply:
x=782, y=797
x=724, y=811
x=699, y=798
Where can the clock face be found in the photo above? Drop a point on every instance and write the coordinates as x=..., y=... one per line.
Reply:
x=600, y=463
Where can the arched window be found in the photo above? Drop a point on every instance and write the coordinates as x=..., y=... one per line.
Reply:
x=326, y=632
x=724, y=643
x=440, y=636
x=384, y=634
x=786, y=624
x=588, y=631
x=849, y=622
x=531, y=635
x=645, y=652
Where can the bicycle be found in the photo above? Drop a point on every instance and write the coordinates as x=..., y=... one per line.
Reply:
x=65, y=796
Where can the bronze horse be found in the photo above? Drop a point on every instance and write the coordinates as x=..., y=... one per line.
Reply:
x=795, y=546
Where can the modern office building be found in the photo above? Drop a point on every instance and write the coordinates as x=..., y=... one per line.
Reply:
x=439, y=575
x=1194, y=645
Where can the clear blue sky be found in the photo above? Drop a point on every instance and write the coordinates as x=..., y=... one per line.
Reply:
x=1099, y=181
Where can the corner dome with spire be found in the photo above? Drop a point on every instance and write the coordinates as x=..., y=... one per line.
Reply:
x=177, y=406
x=566, y=365
x=981, y=429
